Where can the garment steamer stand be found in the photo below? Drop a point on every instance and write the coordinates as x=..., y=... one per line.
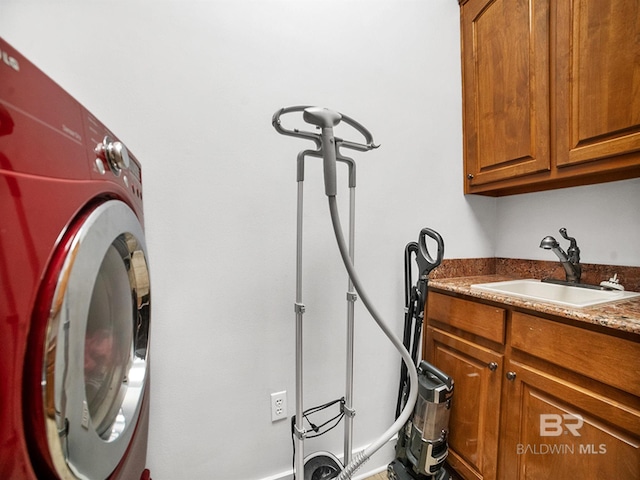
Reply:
x=324, y=465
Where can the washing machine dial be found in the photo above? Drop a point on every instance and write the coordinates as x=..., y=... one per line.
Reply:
x=114, y=153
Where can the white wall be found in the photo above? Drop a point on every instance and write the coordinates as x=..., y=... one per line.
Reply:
x=604, y=219
x=191, y=86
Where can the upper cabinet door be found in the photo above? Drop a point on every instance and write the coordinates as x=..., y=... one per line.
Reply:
x=506, y=72
x=599, y=81
x=551, y=93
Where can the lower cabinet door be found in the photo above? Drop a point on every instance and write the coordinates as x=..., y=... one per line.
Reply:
x=556, y=429
x=474, y=420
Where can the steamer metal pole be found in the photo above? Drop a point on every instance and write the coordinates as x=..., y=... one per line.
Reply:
x=352, y=296
x=299, y=309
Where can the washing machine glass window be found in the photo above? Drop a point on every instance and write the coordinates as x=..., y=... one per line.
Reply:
x=95, y=363
x=109, y=353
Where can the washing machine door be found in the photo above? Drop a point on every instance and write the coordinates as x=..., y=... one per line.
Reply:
x=96, y=344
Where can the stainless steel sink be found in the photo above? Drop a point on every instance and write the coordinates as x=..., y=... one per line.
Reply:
x=565, y=295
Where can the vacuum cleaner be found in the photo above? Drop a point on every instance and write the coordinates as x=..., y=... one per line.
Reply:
x=324, y=465
x=422, y=446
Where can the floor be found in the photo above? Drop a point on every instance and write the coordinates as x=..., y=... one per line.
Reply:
x=379, y=476
x=383, y=476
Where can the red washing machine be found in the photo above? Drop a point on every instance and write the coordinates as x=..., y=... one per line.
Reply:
x=74, y=288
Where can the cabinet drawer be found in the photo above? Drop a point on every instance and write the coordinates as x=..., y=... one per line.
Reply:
x=476, y=318
x=608, y=359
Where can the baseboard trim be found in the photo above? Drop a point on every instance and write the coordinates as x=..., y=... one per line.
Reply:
x=288, y=474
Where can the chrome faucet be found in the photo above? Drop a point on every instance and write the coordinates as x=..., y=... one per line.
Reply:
x=570, y=260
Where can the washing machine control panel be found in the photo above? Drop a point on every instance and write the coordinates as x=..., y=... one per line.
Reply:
x=44, y=131
x=111, y=159
x=114, y=153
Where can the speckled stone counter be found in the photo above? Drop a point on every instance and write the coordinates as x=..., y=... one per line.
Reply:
x=623, y=315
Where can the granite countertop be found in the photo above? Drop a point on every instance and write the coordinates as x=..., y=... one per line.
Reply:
x=623, y=315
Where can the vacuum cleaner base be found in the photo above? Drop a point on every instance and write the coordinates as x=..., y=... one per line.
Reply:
x=399, y=471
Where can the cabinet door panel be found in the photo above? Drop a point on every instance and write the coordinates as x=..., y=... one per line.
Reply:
x=473, y=425
x=603, y=78
x=506, y=88
x=554, y=429
x=572, y=348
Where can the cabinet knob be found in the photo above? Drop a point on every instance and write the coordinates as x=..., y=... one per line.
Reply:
x=493, y=366
x=470, y=176
x=511, y=375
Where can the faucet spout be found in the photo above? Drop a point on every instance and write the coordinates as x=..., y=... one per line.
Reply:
x=549, y=243
x=570, y=260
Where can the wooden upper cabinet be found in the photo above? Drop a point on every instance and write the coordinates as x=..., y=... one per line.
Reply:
x=506, y=89
x=601, y=77
x=551, y=93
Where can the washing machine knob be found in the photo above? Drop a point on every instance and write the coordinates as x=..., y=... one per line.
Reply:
x=115, y=153
x=118, y=154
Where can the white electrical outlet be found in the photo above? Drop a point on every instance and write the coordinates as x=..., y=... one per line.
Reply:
x=278, y=406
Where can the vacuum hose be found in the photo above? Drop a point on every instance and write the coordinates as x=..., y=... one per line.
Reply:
x=363, y=456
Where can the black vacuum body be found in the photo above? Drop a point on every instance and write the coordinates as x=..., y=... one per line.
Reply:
x=422, y=445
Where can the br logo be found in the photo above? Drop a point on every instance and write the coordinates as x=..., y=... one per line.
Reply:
x=554, y=425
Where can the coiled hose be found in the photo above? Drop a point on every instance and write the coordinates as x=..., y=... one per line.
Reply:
x=363, y=456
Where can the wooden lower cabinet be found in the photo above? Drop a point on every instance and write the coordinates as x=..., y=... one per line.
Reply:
x=548, y=399
x=474, y=420
x=554, y=429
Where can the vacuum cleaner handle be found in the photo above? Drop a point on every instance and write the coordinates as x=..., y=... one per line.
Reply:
x=426, y=367
x=426, y=263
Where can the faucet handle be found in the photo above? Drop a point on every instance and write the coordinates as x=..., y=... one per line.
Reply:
x=573, y=252
x=563, y=232
x=573, y=242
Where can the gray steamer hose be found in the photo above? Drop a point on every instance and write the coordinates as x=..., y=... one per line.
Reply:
x=363, y=456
